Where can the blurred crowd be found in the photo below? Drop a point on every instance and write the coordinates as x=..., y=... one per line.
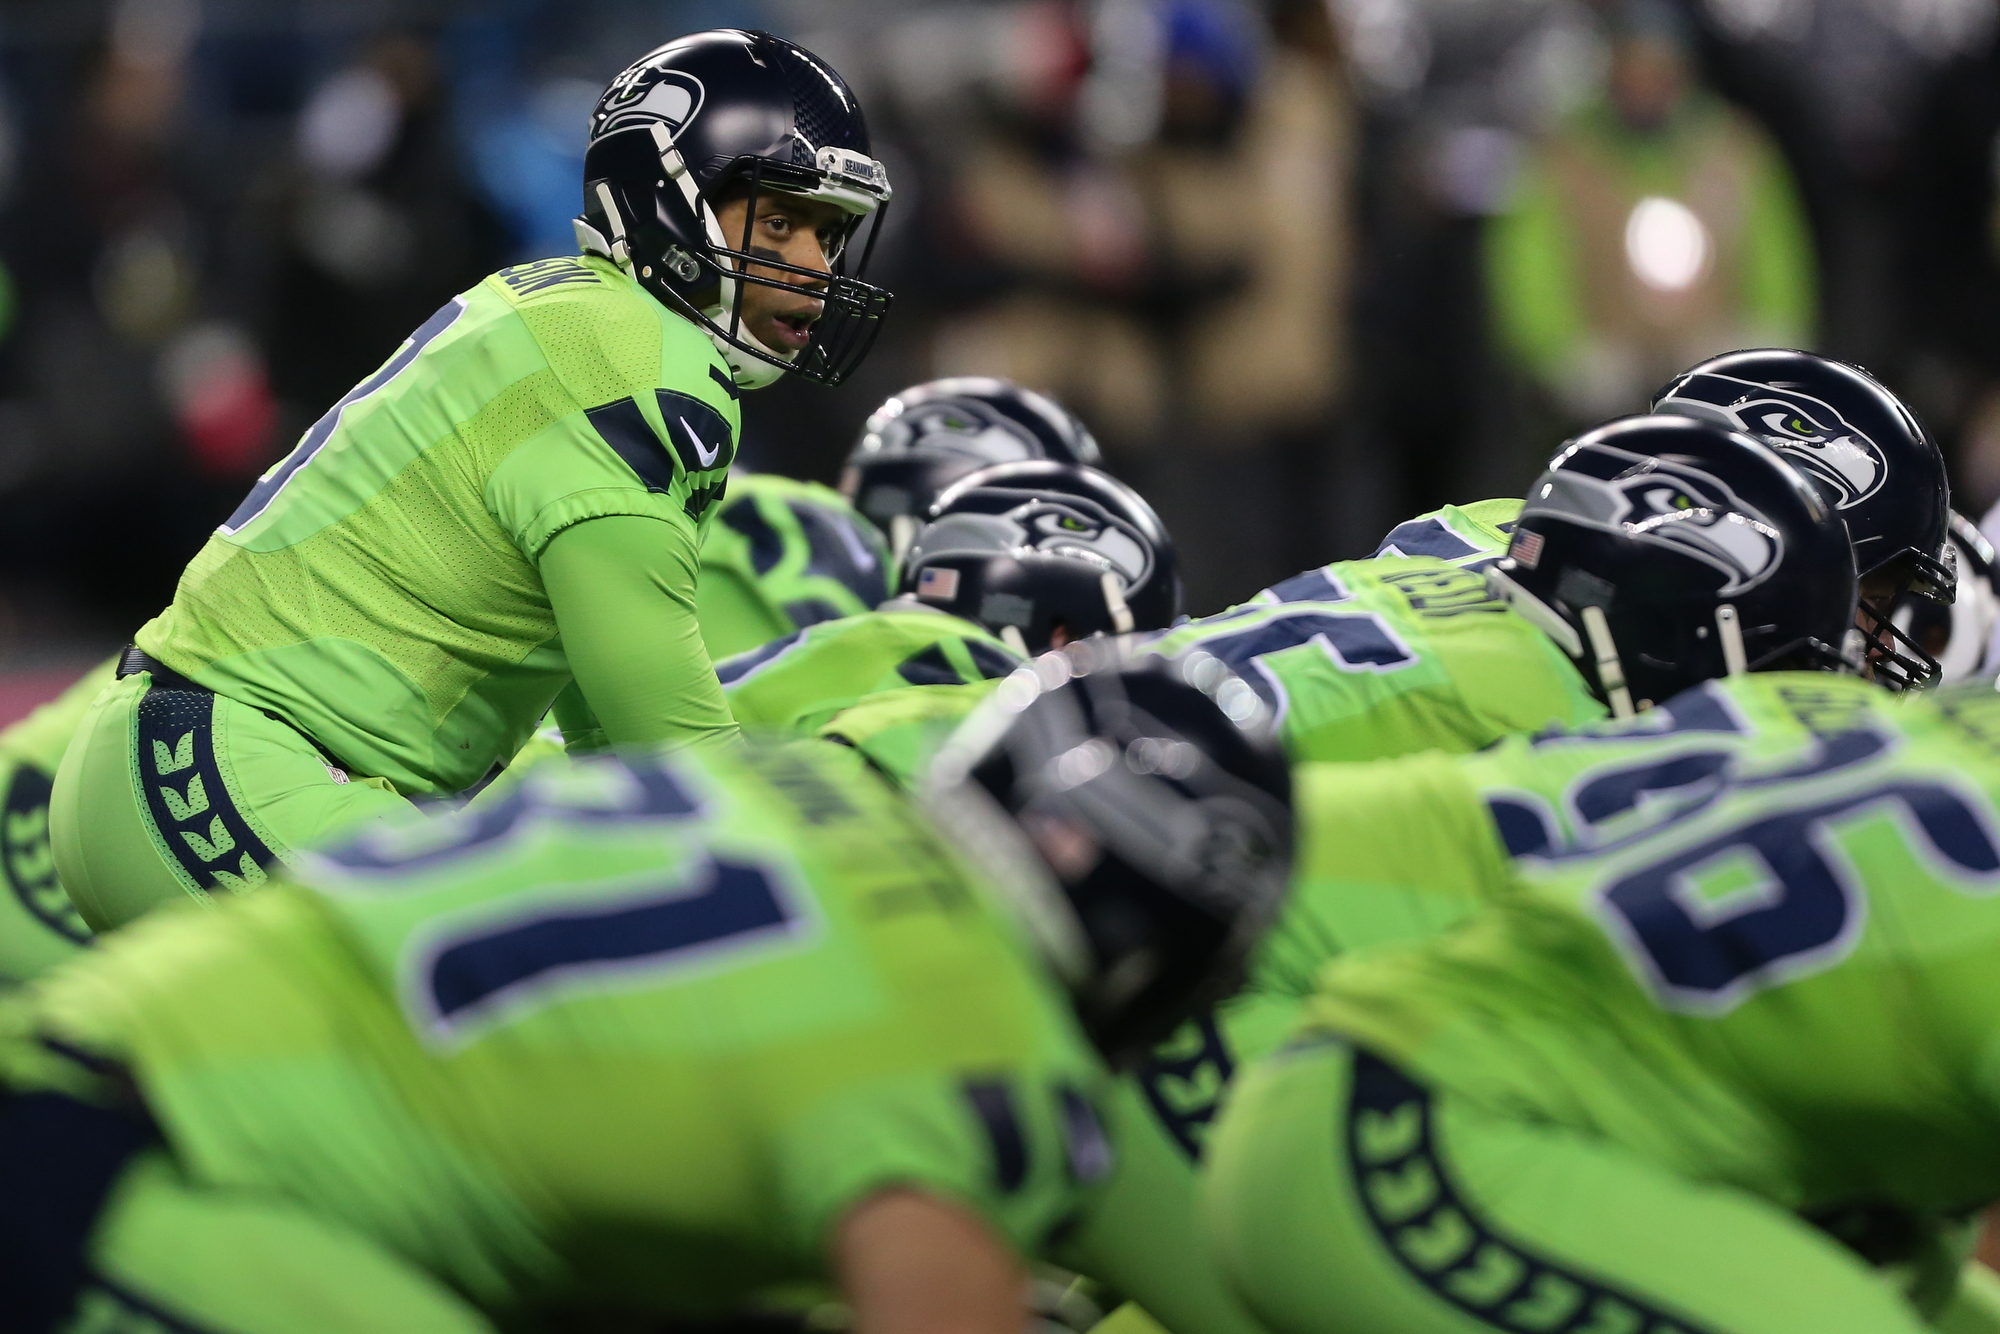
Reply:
x=1305, y=266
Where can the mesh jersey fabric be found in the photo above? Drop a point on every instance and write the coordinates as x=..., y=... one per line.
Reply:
x=378, y=588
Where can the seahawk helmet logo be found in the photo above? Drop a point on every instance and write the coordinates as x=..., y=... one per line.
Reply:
x=1810, y=433
x=1663, y=503
x=1081, y=530
x=645, y=94
x=961, y=429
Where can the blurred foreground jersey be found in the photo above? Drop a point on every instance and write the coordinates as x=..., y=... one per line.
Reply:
x=378, y=588
x=1368, y=659
x=1754, y=938
x=782, y=555
x=804, y=679
x=644, y=1028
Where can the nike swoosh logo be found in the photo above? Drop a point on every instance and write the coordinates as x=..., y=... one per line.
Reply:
x=707, y=457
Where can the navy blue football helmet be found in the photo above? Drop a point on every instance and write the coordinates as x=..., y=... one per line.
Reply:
x=1137, y=815
x=1034, y=548
x=719, y=111
x=1867, y=453
x=924, y=438
x=1660, y=552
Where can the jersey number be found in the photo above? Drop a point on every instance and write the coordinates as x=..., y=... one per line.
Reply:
x=1775, y=898
x=718, y=906
x=271, y=483
x=1354, y=641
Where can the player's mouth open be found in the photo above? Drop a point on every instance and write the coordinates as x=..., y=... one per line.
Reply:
x=791, y=332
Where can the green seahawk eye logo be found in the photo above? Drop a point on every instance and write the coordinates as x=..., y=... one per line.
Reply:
x=645, y=95
x=1810, y=433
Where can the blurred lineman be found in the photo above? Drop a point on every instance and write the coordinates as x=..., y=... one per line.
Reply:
x=512, y=503
x=1018, y=559
x=652, y=1035
x=780, y=556
x=1718, y=975
x=926, y=437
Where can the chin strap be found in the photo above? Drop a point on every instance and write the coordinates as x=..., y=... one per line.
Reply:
x=1729, y=629
x=1114, y=602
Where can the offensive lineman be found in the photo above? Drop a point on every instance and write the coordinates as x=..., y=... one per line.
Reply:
x=1723, y=533
x=515, y=501
x=1715, y=978
x=655, y=1032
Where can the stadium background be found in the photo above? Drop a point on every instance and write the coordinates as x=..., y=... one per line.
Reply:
x=1306, y=266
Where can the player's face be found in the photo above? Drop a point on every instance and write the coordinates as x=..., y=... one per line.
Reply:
x=1877, y=590
x=805, y=233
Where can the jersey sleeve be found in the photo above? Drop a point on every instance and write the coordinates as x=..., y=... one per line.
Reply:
x=1019, y=1151
x=649, y=425
x=622, y=588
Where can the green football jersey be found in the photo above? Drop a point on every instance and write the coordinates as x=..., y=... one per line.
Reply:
x=1470, y=535
x=378, y=588
x=1366, y=659
x=641, y=1032
x=901, y=730
x=1758, y=944
x=801, y=681
x=784, y=554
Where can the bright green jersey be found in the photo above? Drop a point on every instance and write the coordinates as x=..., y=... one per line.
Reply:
x=781, y=555
x=1367, y=659
x=642, y=1031
x=1470, y=535
x=379, y=589
x=1754, y=940
x=801, y=681
x=899, y=731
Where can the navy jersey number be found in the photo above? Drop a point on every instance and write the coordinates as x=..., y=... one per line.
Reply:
x=1355, y=641
x=1774, y=899
x=501, y=967
x=271, y=483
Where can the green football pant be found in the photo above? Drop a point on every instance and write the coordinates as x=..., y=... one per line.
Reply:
x=1345, y=1198
x=169, y=1256
x=39, y=927
x=172, y=793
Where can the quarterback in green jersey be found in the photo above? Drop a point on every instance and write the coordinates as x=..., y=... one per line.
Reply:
x=1726, y=978
x=654, y=1034
x=512, y=503
x=780, y=556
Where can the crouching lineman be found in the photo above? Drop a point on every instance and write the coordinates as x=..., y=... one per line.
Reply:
x=1730, y=976
x=1016, y=559
x=654, y=1033
x=1859, y=444
x=515, y=501
x=1713, y=560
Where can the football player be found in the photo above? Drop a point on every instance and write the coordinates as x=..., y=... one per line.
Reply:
x=1017, y=559
x=658, y=1032
x=513, y=503
x=1858, y=443
x=1716, y=976
x=1636, y=574
x=930, y=435
x=1869, y=456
